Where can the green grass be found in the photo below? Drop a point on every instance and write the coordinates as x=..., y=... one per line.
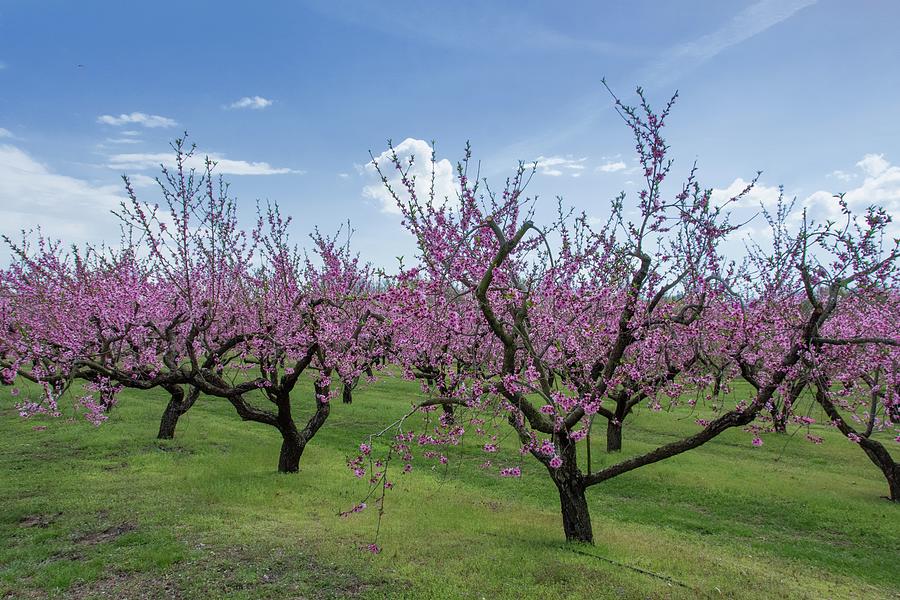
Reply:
x=111, y=512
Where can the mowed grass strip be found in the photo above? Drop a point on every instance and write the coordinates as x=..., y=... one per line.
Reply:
x=112, y=512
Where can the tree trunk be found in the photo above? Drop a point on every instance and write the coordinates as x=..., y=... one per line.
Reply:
x=169, y=421
x=894, y=483
x=572, y=501
x=613, y=436
x=294, y=440
x=449, y=417
x=779, y=421
x=177, y=406
x=291, y=450
x=575, y=515
x=879, y=455
x=781, y=411
x=292, y=443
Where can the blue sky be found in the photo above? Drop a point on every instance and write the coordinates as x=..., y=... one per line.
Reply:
x=291, y=97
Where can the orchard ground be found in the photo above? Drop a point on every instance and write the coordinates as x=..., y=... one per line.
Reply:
x=112, y=512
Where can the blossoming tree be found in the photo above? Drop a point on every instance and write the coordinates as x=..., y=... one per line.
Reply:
x=617, y=315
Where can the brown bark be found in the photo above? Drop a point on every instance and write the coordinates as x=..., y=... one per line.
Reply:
x=876, y=452
x=179, y=403
x=575, y=514
x=613, y=436
x=573, y=504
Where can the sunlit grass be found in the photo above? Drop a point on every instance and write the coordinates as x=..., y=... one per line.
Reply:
x=111, y=511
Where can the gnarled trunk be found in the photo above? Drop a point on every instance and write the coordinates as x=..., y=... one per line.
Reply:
x=613, y=436
x=879, y=455
x=572, y=500
x=575, y=515
x=292, y=446
x=177, y=406
x=894, y=483
x=293, y=440
x=169, y=421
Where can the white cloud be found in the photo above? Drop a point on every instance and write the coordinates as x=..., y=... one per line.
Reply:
x=880, y=186
x=612, y=166
x=5, y=133
x=764, y=195
x=141, y=161
x=343, y=175
x=125, y=140
x=251, y=102
x=556, y=166
x=137, y=118
x=842, y=175
x=445, y=185
x=873, y=165
x=65, y=207
x=138, y=180
x=753, y=232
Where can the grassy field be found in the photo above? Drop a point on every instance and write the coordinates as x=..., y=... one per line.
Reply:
x=111, y=512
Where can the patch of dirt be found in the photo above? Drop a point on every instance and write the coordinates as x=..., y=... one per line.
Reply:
x=127, y=586
x=107, y=535
x=42, y=521
x=282, y=574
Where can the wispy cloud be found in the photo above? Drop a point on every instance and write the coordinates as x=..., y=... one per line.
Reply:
x=842, y=175
x=612, y=166
x=251, y=102
x=751, y=21
x=138, y=180
x=496, y=29
x=5, y=133
x=556, y=166
x=66, y=207
x=140, y=161
x=125, y=140
x=137, y=118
